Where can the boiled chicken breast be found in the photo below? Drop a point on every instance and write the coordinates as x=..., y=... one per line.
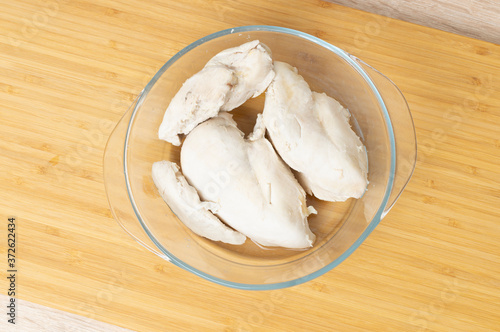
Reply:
x=253, y=67
x=184, y=201
x=311, y=132
x=228, y=80
x=256, y=192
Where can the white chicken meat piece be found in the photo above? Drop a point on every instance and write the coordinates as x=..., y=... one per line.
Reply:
x=253, y=66
x=228, y=80
x=199, y=98
x=184, y=201
x=256, y=192
x=311, y=132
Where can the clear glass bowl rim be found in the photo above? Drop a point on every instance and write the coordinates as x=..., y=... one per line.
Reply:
x=376, y=219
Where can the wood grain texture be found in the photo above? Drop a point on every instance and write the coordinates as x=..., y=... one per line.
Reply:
x=473, y=18
x=37, y=318
x=70, y=69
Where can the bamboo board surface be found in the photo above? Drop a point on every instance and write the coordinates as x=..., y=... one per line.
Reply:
x=70, y=69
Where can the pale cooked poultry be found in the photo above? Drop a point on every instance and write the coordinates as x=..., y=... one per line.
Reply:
x=184, y=201
x=229, y=79
x=256, y=192
x=311, y=132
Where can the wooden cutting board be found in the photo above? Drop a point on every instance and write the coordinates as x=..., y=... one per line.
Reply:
x=70, y=69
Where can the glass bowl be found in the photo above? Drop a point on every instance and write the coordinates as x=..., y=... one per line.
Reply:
x=380, y=116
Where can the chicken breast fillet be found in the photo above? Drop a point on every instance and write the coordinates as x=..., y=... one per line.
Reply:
x=311, y=132
x=228, y=80
x=256, y=192
x=184, y=201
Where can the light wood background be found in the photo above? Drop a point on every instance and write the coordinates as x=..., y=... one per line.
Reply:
x=38, y=318
x=473, y=18
x=70, y=69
